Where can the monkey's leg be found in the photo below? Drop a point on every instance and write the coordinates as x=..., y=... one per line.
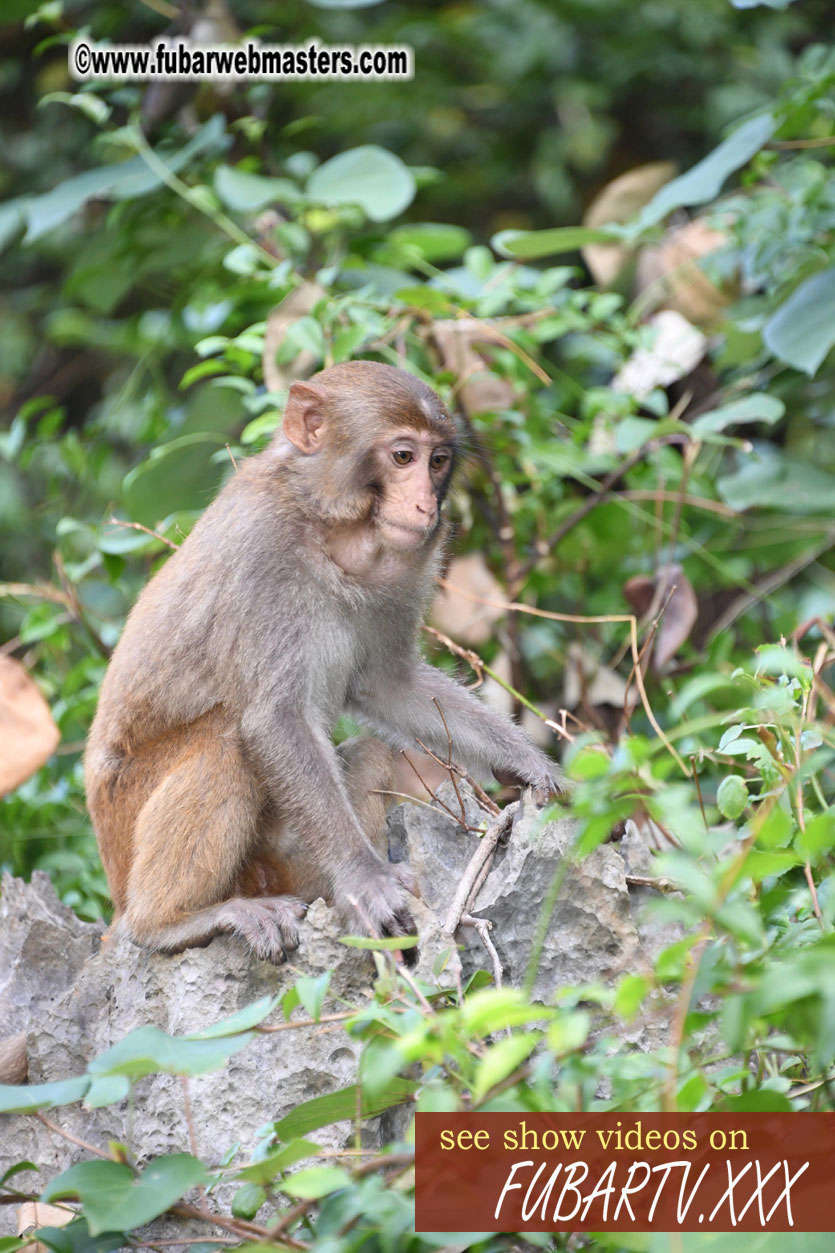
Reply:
x=192, y=838
x=369, y=768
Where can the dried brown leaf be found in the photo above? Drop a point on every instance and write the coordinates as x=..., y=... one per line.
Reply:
x=28, y=734
x=465, y=620
x=619, y=201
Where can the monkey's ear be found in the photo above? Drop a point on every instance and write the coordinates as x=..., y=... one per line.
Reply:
x=304, y=417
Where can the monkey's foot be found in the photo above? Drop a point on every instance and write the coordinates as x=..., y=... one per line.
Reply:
x=266, y=923
x=379, y=905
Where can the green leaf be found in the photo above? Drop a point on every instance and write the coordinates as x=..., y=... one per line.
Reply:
x=76, y=1238
x=336, y=1106
x=107, y=1090
x=115, y=1198
x=551, y=242
x=16, y=1170
x=705, y=180
x=246, y=193
x=773, y=480
x=629, y=995
x=428, y=298
x=368, y=176
x=248, y=1200
x=149, y=1051
x=802, y=331
x=312, y=992
x=758, y=407
x=494, y=1008
x=435, y=241
x=501, y=1060
x=732, y=797
x=316, y=1181
x=245, y=1019
x=819, y=836
x=390, y=944
x=27, y=1098
x=268, y=1167
x=121, y=181
x=179, y=475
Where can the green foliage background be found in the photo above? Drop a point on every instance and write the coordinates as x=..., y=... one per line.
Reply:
x=148, y=234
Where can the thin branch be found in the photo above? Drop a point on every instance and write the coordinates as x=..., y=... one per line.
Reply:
x=68, y=1135
x=486, y=848
x=137, y=526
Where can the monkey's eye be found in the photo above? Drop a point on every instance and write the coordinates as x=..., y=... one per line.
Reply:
x=402, y=456
x=439, y=460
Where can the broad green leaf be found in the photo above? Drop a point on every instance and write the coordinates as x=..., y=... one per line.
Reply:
x=629, y=995
x=819, y=836
x=802, y=331
x=11, y=220
x=107, y=1090
x=773, y=480
x=316, y=1181
x=501, y=1059
x=435, y=241
x=569, y=1031
x=266, y=1170
x=390, y=944
x=245, y=1019
x=76, y=1238
x=705, y=180
x=27, y=1098
x=494, y=1008
x=732, y=796
x=312, y=991
x=149, y=1051
x=758, y=407
x=121, y=181
x=116, y=1198
x=248, y=1200
x=178, y=475
x=552, y=242
x=368, y=176
x=336, y=1106
x=764, y=865
x=245, y=192
x=428, y=298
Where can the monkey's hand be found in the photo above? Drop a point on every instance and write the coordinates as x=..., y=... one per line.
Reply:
x=548, y=783
x=377, y=902
x=267, y=923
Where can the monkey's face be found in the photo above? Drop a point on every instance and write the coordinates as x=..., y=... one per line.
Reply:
x=412, y=474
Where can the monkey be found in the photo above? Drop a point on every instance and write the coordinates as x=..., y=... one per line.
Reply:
x=217, y=797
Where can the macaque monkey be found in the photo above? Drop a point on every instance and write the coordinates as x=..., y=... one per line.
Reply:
x=217, y=797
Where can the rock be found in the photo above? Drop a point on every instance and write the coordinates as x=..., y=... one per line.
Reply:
x=71, y=994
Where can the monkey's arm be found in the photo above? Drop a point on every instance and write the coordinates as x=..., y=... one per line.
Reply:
x=402, y=710
x=300, y=771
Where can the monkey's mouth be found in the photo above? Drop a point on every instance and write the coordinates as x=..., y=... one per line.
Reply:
x=404, y=536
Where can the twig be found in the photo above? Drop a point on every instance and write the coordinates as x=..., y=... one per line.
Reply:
x=591, y=502
x=304, y=1022
x=646, y=881
x=137, y=526
x=68, y=1135
x=482, y=927
x=586, y=619
x=767, y=585
x=486, y=847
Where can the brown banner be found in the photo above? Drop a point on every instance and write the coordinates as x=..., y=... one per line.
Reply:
x=625, y=1172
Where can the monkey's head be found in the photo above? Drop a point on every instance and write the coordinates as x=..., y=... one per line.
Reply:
x=370, y=443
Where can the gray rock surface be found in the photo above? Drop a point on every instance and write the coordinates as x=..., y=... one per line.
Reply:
x=73, y=995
